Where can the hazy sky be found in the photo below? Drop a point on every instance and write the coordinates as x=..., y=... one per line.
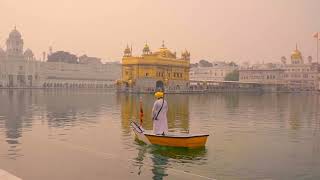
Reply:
x=241, y=30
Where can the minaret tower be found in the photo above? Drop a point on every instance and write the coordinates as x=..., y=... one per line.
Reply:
x=127, y=52
x=14, y=43
x=146, y=50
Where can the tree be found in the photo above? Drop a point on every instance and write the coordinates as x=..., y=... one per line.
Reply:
x=233, y=64
x=283, y=60
x=233, y=76
x=204, y=63
x=62, y=56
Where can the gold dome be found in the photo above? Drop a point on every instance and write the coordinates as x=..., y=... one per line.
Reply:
x=296, y=54
x=165, y=52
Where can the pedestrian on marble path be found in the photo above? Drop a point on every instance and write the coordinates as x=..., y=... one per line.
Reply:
x=159, y=114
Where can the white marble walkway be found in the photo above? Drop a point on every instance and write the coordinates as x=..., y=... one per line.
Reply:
x=4, y=175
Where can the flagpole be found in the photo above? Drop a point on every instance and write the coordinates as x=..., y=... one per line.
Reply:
x=318, y=48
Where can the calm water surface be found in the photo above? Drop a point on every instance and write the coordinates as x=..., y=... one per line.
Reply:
x=81, y=135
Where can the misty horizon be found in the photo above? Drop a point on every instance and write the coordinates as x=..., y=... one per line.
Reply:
x=254, y=31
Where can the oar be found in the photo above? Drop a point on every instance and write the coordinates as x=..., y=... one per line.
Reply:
x=138, y=128
x=141, y=112
x=139, y=131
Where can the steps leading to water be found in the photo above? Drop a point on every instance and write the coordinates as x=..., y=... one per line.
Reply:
x=4, y=175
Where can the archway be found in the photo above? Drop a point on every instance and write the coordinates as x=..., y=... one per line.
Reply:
x=159, y=85
x=10, y=80
x=30, y=80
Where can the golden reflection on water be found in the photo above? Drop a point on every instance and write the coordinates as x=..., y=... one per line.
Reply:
x=178, y=121
x=178, y=112
x=161, y=157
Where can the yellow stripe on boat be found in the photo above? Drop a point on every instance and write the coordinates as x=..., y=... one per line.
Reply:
x=190, y=141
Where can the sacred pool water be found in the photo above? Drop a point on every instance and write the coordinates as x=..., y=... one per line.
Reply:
x=81, y=135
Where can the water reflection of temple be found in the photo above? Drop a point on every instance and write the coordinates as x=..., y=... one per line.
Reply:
x=178, y=113
x=161, y=157
x=157, y=159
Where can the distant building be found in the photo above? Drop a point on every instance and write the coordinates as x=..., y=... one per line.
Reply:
x=20, y=69
x=262, y=76
x=318, y=81
x=84, y=59
x=297, y=76
x=154, y=70
x=300, y=75
x=78, y=75
x=61, y=56
x=217, y=72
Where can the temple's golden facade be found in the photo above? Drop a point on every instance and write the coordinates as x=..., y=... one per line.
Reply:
x=157, y=69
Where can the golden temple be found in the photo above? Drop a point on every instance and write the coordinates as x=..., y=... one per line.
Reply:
x=154, y=70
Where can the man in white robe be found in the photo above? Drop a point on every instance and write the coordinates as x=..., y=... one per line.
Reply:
x=159, y=115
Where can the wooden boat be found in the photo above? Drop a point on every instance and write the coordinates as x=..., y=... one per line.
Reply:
x=173, y=140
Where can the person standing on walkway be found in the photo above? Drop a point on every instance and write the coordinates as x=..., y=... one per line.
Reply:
x=159, y=114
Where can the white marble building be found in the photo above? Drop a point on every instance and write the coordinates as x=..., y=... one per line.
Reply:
x=300, y=75
x=296, y=75
x=261, y=76
x=318, y=82
x=67, y=75
x=217, y=72
x=20, y=69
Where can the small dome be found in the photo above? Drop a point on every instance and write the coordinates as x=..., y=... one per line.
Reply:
x=146, y=48
x=15, y=33
x=185, y=54
x=28, y=53
x=127, y=50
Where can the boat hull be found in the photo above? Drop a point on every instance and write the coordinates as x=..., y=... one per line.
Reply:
x=176, y=140
x=189, y=142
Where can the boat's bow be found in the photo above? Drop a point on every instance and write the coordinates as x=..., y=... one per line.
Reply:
x=139, y=132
